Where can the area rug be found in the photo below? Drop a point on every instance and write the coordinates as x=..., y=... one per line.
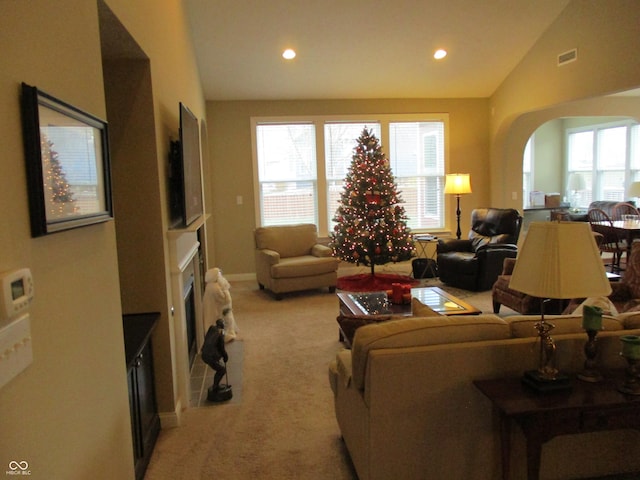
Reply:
x=366, y=282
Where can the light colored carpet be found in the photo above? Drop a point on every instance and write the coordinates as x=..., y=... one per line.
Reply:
x=284, y=427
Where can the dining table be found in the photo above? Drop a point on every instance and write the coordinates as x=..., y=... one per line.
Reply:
x=629, y=230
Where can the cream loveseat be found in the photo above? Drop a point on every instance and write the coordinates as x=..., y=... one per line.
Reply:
x=289, y=259
x=407, y=408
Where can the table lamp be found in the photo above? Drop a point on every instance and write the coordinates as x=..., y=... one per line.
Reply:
x=575, y=185
x=457, y=184
x=557, y=260
x=634, y=190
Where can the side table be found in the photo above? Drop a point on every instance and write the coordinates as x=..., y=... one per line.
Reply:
x=422, y=244
x=587, y=407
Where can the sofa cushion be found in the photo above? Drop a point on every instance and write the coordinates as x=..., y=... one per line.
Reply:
x=523, y=326
x=630, y=319
x=287, y=240
x=422, y=331
x=462, y=263
x=490, y=222
x=306, y=265
x=478, y=241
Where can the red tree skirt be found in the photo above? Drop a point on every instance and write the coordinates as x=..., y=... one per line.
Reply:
x=365, y=282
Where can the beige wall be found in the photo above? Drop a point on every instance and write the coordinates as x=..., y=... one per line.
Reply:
x=232, y=169
x=68, y=413
x=537, y=90
x=547, y=148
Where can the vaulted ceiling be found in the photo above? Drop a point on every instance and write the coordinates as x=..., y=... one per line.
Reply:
x=362, y=49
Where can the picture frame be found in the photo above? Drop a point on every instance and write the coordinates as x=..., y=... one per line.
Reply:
x=67, y=164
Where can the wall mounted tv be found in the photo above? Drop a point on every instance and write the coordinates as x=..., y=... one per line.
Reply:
x=185, y=182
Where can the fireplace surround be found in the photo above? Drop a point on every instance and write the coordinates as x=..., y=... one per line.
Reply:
x=186, y=286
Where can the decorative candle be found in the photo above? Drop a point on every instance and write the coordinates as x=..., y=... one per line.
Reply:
x=591, y=317
x=396, y=295
x=631, y=346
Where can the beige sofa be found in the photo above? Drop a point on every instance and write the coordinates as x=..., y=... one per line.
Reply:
x=407, y=408
x=289, y=259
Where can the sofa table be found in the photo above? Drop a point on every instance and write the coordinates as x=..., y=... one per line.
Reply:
x=587, y=407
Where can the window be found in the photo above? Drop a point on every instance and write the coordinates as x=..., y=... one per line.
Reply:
x=527, y=177
x=417, y=161
x=300, y=165
x=287, y=173
x=606, y=159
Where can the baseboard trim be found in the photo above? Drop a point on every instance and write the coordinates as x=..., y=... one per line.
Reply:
x=171, y=419
x=240, y=277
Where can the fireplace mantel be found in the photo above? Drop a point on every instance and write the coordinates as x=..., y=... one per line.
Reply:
x=183, y=244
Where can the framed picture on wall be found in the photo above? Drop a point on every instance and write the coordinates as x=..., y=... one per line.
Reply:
x=67, y=160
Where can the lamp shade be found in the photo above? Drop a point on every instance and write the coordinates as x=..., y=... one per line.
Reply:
x=576, y=183
x=560, y=260
x=634, y=190
x=457, y=183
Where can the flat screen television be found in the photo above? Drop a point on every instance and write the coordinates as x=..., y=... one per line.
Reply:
x=185, y=182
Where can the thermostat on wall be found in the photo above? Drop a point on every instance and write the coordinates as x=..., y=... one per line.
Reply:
x=17, y=293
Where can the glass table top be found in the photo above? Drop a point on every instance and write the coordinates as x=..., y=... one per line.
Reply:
x=377, y=303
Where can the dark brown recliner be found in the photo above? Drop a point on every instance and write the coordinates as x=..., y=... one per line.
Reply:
x=475, y=263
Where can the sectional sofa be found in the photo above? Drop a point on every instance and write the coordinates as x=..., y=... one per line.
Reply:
x=407, y=407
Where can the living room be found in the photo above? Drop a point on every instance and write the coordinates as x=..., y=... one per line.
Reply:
x=68, y=412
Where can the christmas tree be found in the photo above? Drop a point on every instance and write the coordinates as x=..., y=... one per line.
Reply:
x=370, y=221
x=58, y=195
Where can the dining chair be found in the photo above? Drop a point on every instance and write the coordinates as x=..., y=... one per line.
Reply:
x=611, y=242
x=623, y=208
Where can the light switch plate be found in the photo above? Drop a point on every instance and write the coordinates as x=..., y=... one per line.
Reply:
x=16, y=353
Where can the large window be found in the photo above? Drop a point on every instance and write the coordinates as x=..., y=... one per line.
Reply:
x=300, y=165
x=288, y=173
x=605, y=159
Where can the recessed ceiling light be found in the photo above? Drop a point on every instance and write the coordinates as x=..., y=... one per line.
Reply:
x=440, y=54
x=289, y=54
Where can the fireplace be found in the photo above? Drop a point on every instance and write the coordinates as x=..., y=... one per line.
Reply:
x=186, y=324
x=190, y=318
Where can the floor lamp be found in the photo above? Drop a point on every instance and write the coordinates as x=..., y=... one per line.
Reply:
x=457, y=184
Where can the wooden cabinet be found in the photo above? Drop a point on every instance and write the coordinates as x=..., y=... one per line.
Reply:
x=145, y=422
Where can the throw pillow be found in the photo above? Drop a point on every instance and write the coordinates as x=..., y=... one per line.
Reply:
x=632, y=306
x=604, y=303
x=419, y=309
x=350, y=323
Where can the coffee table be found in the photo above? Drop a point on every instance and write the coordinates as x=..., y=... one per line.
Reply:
x=376, y=308
x=374, y=303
